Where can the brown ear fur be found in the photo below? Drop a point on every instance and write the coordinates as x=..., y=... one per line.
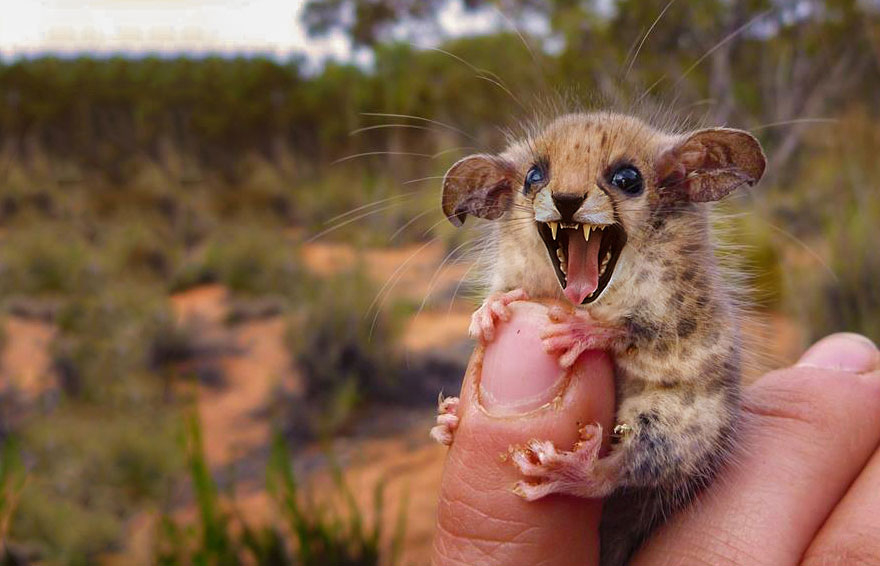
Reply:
x=710, y=164
x=479, y=184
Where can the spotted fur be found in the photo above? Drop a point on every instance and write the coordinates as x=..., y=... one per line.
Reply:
x=678, y=366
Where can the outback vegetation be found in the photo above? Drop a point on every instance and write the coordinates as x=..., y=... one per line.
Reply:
x=128, y=185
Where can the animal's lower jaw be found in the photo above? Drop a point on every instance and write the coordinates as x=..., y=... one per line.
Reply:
x=583, y=257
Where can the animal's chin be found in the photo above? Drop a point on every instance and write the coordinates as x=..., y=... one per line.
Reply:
x=585, y=277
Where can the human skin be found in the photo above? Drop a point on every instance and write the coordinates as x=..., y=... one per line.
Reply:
x=804, y=487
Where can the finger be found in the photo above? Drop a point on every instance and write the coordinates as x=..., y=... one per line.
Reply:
x=514, y=393
x=808, y=432
x=851, y=535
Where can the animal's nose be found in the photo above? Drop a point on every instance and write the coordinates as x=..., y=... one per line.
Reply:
x=567, y=205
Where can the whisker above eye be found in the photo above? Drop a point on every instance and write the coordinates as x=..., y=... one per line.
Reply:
x=423, y=119
x=370, y=153
x=385, y=126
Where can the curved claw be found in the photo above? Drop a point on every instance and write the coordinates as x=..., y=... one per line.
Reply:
x=576, y=472
x=447, y=420
x=494, y=309
x=571, y=334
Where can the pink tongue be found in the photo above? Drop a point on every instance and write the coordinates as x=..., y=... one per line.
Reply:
x=583, y=266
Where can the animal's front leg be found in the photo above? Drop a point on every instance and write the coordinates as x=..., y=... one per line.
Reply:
x=447, y=420
x=578, y=472
x=570, y=334
x=494, y=309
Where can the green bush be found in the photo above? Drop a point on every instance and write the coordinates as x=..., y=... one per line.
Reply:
x=250, y=258
x=45, y=260
x=311, y=534
x=355, y=206
x=90, y=471
x=12, y=480
x=833, y=217
x=344, y=342
x=110, y=339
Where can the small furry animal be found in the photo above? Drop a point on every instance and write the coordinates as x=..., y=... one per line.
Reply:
x=611, y=214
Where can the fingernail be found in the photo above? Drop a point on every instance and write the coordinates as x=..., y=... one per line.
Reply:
x=517, y=375
x=843, y=352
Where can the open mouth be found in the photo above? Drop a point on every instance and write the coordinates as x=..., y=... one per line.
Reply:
x=583, y=256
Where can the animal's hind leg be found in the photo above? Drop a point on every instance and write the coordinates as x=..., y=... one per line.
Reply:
x=578, y=472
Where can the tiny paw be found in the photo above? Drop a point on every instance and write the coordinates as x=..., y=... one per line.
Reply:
x=570, y=334
x=494, y=308
x=447, y=420
x=549, y=470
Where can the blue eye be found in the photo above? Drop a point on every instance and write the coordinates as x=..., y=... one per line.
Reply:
x=535, y=176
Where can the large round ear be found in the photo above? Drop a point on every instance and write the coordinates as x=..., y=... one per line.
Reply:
x=709, y=164
x=479, y=184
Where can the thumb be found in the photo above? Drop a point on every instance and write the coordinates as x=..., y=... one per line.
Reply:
x=513, y=392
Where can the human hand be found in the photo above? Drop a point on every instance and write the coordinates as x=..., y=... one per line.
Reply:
x=804, y=488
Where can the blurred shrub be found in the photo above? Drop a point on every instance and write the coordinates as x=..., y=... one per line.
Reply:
x=108, y=341
x=833, y=213
x=851, y=301
x=11, y=483
x=250, y=258
x=309, y=534
x=356, y=206
x=345, y=346
x=139, y=247
x=91, y=471
x=45, y=259
x=263, y=188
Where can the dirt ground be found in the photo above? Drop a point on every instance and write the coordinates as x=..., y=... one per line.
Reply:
x=25, y=364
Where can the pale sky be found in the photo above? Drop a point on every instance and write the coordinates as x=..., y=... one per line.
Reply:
x=31, y=27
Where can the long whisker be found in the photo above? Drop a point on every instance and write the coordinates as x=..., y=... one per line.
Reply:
x=434, y=225
x=464, y=278
x=500, y=85
x=718, y=45
x=645, y=38
x=368, y=153
x=795, y=121
x=450, y=150
x=437, y=273
x=519, y=34
x=420, y=179
x=482, y=74
x=350, y=220
x=428, y=120
x=385, y=291
x=370, y=205
x=803, y=245
x=381, y=126
x=525, y=43
x=650, y=88
x=408, y=224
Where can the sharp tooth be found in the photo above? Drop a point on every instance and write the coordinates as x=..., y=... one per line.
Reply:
x=560, y=254
x=562, y=268
x=586, y=229
x=554, y=226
